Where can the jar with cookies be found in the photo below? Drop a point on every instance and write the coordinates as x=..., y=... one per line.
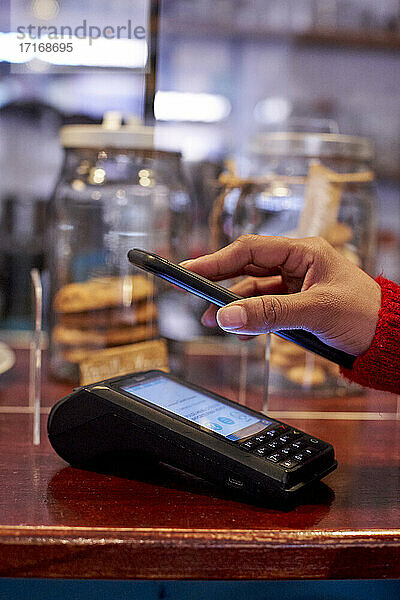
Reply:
x=300, y=185
x=116, y=192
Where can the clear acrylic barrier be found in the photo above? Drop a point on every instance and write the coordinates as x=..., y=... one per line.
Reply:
x=14, y=342
x=36, y=356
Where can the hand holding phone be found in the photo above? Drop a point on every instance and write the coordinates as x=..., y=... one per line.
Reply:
x=216, y=294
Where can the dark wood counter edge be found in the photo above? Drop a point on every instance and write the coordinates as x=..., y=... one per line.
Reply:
x=113, y=553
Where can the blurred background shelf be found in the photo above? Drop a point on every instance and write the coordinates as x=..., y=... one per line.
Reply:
x=227, y=70
x=359, y=39
x=350, y=39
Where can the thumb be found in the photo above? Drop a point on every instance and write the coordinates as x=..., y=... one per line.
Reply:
x=263, y=314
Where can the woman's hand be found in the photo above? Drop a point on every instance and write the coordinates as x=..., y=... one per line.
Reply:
x=303, y=284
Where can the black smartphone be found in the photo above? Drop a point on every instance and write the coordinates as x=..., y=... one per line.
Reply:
x=152, y=415
x=216, y=294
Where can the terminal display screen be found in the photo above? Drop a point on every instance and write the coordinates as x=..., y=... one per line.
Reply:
x=198, y=407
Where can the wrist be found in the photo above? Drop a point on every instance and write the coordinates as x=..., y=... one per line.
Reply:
x=379, y=365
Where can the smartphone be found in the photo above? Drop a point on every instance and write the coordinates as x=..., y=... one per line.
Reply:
x=216, y=294
x=152, y=415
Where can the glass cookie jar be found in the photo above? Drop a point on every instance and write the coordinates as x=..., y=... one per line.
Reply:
x=301, y=185
x=116, y=192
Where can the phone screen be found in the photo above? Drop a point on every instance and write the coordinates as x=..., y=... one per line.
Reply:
x=198, y=407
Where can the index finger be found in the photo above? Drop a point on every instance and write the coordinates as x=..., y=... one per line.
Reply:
x=248, y=255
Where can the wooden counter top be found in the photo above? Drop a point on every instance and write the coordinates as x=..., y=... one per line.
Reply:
x=56, y=521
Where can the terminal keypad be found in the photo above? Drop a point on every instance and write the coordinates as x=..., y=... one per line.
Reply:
x=283, y=445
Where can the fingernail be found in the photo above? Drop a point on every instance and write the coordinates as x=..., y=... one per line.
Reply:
x=232, y=317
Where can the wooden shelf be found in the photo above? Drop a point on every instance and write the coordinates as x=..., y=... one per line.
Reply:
x=350, y=39
x=315, y=37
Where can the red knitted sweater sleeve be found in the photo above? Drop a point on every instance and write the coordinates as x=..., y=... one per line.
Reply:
x=379, y=366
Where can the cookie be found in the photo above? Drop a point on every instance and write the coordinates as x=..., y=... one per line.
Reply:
x=79, y=354
x=137, y=314
x=102, y=338
x=304, y=376
x=285, y=361
x=338, y=234
x=102, y=292
x=122, y=360
x=287, y=348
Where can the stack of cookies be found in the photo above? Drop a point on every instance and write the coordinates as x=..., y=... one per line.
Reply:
x=291, y=361
x=101, y=313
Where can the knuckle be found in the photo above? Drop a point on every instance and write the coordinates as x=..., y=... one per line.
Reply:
x=272, y=311
x=319, y=245
x=316, y=249
x=246, y=239
x=245, y=245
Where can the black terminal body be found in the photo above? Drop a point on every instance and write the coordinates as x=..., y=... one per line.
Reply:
x=261, y=458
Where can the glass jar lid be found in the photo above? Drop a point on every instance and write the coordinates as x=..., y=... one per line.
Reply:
x=313, y=145
x=110, y=134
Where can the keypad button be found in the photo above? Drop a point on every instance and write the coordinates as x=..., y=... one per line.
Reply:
x=309, y=452
x=314, y=441
x=289, y=463
x=272, y=433
x=300, y=457
x=286, y=451
x=274, y=444
x=297, y=444
x=260, y=438
x=282, y=428
x=249, y=444
x=276, y=457
x=284, y=438
x=262, y=451
x=297, y=433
